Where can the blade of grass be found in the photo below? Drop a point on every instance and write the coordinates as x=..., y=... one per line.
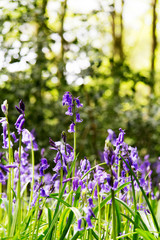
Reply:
x=146, y=234
x=145, y=197
x=118, y=214
x=131, y=211
x=94, y=234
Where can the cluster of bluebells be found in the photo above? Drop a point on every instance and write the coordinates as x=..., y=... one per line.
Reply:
x=91, y=181
x=28, y=143
x=63, y=159
x=73, y=105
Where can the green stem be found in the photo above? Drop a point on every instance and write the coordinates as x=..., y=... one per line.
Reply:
x=99, y=214
x=107, y=219
x=32, y=184
x=134, y=196
x=135, y=208
x=113, y=215
x=0, y=197
x=35, y=223
x=9, y=184
x=19, y=182
x=74, y=167
x=61, y=177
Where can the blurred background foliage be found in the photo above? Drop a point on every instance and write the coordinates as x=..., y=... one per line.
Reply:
x=105, y=51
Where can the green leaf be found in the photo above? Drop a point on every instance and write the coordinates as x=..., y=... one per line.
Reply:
x=95, y=235
x=69, y=222
x=75, y=236
x=146, y=234
x=76, y=212
x=118, y=215
x=92, y=169
x=143, y=192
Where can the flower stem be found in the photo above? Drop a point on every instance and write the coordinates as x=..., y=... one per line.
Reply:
x=19, y=182
x=74, y=167
x=9, y=185
x=113, y=215
x=99, y=214
x=0, y=197
x=32, y=184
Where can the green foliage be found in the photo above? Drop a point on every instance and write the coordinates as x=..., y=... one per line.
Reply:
x=45, y=55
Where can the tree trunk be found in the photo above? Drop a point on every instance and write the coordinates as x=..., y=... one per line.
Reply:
x=154, y=43
x=61, y=63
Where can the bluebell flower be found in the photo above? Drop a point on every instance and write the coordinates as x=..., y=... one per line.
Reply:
x=4, y=107
x=69, y=112
x=43, y=193
x=79, y=222
x=75, y=184
x=67, y=99
x=43, y=166
x=19, y=123
x=78, y=119
x=28, y=139
x=53, y=144
x=14, y=137
x=21, y=107
x=120, y=138
x=78, y=103
x=90, y=201
x=57, y=167
x=111, y=136
x=88, y=220
x=71, y=127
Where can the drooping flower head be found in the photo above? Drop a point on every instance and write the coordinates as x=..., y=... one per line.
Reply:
x=71, y=127
x=4, y=107
x=67, y=99
x=20, y=120
x=72, y=104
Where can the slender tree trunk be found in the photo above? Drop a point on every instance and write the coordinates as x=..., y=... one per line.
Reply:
x=121, y=33
x=113, y=13
x=154, y=43
x=62, y=60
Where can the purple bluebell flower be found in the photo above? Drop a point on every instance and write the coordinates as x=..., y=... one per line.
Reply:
x=69, y=112
x=78, y=119
x=21, y=107
x=53, y=145
x=43, y=193
x=71, y=129
x=43, y=166
x=14, y=137
x=88, y=220
x=90, y=201
x=28, y=139
x=19, y=123
x=69, y=149
x=67, y=99
x=57, y=167
x=75, y=184
x=54, y=177
x=111, y=136
x=4, y=107
x=78, y=103
x=79, y=222
x=120, y=138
